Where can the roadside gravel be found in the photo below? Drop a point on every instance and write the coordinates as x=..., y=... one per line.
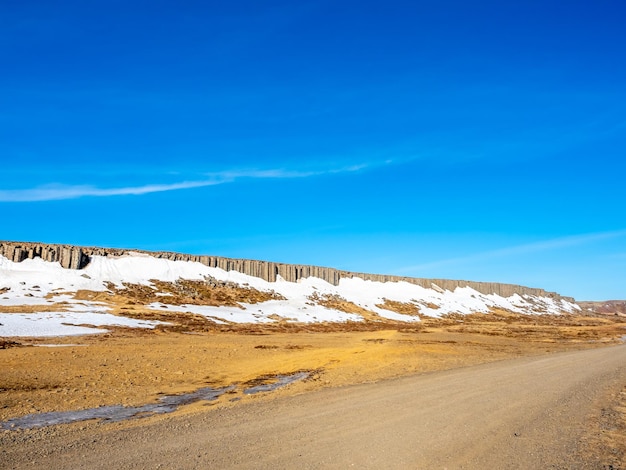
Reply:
x=524, y=413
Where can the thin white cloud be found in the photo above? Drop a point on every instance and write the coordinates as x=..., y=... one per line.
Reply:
x=60, y=192
x=553, y=244
x=227, y=176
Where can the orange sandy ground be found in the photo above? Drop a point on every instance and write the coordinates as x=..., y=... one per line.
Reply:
x=135, y=367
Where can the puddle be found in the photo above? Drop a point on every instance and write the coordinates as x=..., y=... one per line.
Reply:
x=166, y=404
x=114, y=413
x=281, y=381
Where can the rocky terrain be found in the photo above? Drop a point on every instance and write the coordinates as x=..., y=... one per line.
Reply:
x=106, y=337
x=606, y=307
x=40, y=297
x=75, y=257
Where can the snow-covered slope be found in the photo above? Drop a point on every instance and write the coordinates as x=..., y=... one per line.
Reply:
x=31, y=290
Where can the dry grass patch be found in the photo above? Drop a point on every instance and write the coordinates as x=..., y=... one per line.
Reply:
x=337, y=302
x=131, y=301
x=210, y=291
x=604, y=443
x=548, y=328
x=136, y=366
x=43, y=308
x=93, y=296
x=404, y=308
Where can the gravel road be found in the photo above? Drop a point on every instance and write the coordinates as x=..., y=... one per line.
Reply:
x=526, y=413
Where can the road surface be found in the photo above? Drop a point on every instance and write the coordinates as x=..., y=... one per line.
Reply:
x=526, y=413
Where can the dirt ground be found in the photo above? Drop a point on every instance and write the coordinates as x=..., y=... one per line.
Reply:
x=135, y=367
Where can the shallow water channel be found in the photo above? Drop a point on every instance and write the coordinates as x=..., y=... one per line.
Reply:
x=166, y=404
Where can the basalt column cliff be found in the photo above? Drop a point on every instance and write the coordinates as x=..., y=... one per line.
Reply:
x=77, y=257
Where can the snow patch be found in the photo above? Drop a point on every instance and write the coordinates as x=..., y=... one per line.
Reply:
x=63, y=323
x=37, y=282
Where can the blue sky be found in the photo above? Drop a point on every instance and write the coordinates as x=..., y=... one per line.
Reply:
x=467, y=140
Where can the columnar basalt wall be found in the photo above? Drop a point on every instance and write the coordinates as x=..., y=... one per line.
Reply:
x=68, y=256
x=76, y=257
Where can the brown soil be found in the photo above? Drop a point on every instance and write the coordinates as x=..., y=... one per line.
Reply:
x=134, y=367
x=6, y=344
x=405, y=308
x=605, y=439
x=56, y=307
x=525, y=412
x=184, y=291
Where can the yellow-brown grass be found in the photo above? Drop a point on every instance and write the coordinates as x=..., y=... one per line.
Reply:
x=57, y=307
x=404, y=308
x=131, y=366
x=192, y=292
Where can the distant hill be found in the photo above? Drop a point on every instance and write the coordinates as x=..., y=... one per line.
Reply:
x=59, y=289
x=606, y=307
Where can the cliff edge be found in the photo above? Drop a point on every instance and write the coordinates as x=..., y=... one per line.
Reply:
x=77, y=257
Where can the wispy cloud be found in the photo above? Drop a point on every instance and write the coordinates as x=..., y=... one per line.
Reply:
x=229, y=176
x=546, y=245
x=55, y=192
x=59, y=192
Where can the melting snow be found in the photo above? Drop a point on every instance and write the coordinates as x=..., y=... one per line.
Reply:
x=37, y=282
x=63, y=323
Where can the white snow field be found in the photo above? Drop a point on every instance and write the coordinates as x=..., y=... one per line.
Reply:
x=36, y=282
x=63, y=323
